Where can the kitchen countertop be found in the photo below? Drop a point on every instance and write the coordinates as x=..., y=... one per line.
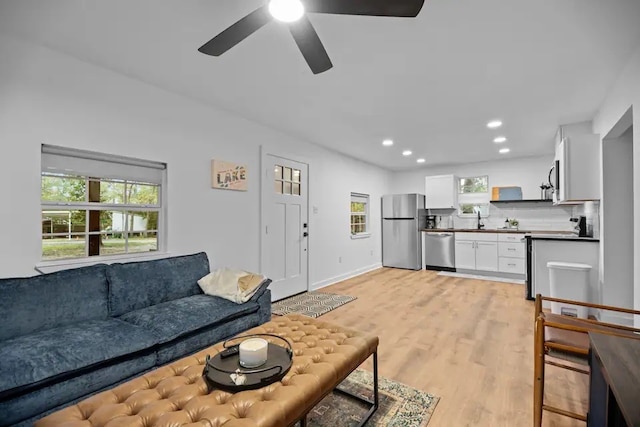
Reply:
x=533, y=234
x=493, y=230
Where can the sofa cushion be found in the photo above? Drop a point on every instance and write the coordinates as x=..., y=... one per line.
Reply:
x=64, y=351
x=183, y=316
x=35, y=404
x=136, y=285
x=50, y=300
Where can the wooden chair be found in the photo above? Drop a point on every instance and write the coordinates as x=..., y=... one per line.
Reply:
x=566, y=338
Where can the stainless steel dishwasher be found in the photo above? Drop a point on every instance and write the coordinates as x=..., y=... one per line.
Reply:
x=440, y=251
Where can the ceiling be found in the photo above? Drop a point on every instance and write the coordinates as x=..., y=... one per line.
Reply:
x=430, y=83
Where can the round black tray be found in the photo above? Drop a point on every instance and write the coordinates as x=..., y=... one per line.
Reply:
x=217, y=370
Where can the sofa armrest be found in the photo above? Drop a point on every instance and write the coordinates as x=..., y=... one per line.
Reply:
x=261, y=290
x=264, y=302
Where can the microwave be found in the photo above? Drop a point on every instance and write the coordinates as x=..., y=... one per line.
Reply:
x=554, y=180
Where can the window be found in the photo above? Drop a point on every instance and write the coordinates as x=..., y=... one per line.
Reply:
x=287, y=180
x=97, y=205
x=359, y=215
x=473, y=196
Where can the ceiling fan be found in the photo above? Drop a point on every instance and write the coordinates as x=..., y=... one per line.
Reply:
x=293, y=13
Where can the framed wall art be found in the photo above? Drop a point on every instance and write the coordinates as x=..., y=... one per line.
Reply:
x=228, y=176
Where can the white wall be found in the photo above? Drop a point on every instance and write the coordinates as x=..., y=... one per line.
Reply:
x=623, y=95
x=617, y=216
x=48, y=97
x=527, y=173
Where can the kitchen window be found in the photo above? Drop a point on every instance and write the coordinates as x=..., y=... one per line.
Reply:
x=359, y=215
x=473, y=196
x=95, y=204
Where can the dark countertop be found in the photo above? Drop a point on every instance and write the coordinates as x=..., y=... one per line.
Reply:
x=564, y=237
x=620, y=359
x=493, y=230
x=567, y=236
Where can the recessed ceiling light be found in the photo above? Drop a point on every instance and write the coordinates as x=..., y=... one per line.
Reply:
x=286, y=10
x=421, y=160
x=387, y=142
x=504, y=150
x=500, y=140
x=494, y=124
x=407, y=153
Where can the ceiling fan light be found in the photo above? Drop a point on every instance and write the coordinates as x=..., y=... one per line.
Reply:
x=286, y=10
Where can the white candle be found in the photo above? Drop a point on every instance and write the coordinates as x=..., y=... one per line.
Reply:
x=253, y=352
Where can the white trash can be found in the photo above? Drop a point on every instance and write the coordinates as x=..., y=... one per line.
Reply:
x=569, y=281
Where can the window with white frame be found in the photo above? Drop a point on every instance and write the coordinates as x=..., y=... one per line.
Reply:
x=359, y=215
x=99, y=205
x=473, y=196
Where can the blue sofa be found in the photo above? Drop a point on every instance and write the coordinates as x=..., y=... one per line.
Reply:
x=70, y=334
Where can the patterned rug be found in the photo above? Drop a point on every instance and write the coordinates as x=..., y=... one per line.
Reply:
x=313, y=304
x=400, y=405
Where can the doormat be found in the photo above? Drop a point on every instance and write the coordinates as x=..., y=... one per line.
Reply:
x=480, y=277
x=312, y=304
x=400, y=405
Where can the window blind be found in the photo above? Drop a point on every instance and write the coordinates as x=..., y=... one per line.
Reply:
x=71, y=161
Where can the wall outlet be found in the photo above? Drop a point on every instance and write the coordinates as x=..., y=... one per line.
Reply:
x=372, y=253
x=339, y=260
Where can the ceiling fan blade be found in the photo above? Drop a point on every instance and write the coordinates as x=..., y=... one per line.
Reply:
x=310, y=45
x=237, y=32
x=398, y=8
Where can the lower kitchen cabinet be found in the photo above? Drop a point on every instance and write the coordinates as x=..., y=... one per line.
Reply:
x=477, y=251
x=487, y=256
x=511, y=254
x=465, y=255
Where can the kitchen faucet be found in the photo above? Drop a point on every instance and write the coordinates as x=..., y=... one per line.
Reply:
x=480, y=224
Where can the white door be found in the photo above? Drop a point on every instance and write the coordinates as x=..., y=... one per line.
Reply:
x=465, y=255
x=285, y=226
x=487, y=256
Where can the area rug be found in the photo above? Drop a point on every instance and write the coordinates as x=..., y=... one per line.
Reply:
x=480, y=277
x=400, y=405
x=312, y=304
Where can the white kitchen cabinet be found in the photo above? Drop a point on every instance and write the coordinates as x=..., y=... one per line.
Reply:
x=511, y=253
x=466, y=255
x=477, y=251
x=441, y=192
x=577, y=169
x=512, y=265
x=487, y=256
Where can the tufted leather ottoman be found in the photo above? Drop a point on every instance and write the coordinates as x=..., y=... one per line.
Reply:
x=176, y=394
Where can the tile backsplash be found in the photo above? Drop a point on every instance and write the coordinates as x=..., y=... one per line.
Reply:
x=531, y=217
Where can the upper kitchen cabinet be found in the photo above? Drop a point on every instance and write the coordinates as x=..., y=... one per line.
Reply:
x=441, y=192
x=576, y=172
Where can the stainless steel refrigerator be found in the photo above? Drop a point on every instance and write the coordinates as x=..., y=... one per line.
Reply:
x=403, y=218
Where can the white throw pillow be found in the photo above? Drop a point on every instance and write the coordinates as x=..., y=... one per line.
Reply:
x=223, y=283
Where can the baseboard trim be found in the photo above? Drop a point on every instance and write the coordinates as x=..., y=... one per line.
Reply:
x=333, y=280
x=617, y=318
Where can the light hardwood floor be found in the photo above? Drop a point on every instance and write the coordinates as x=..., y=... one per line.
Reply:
x=470, y=342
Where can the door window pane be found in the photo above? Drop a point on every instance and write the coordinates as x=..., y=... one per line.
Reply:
x=278, y=187
x=287, y=188
x=278, y=172
x=296, y=175
x=287, y=174
x=296, y=189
